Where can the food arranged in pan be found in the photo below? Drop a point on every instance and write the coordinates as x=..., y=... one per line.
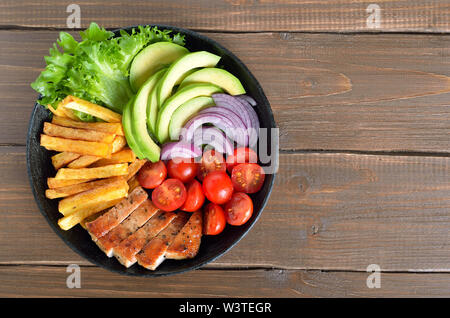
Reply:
x=154, y=145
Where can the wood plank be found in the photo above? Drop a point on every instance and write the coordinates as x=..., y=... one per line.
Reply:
x=50, y=281
x=237, y=15
x=333, y=211
x=386, y=92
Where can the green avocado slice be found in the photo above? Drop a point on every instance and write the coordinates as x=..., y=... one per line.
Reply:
x=183, y=113
x=151, y=59
x=126, y=123
x=180, y=97
x=147, y=146
x=180, y=68
x=217, y=76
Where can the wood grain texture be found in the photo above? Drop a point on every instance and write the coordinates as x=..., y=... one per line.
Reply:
x=237, y=15
x=50, y=281
x=327, y=211
x=363, y=92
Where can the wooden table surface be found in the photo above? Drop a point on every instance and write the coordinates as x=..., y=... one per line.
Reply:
x=364, y=174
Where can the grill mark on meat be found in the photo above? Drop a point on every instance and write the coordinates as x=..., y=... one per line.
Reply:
x=152, y=255
x=130, y=225
x=187, y=242
x=126, y=251
x=103, y=224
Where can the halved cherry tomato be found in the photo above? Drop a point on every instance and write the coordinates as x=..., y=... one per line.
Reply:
x=195, y=197
x=218, y=187
x=247, y=177
x=152, y=174
x=211, y=161
x=169, y=195
x=214, y=219
x=239, y=209
x=241, y=155
x=182, y=169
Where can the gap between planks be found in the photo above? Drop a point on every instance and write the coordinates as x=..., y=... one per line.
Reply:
x=348, y=32
x=224, y=267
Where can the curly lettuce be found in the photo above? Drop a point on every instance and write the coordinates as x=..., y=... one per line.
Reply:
x=96, y=68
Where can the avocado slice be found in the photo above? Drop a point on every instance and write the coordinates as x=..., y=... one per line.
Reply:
x=147, y=146
x=152, y=109
x=180, y=68
x=172, y=103
x=151, y=59
x=126, y=123
x=217, y=76
x=183, y=113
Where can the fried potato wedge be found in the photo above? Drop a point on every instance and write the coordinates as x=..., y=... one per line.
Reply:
x=82, y=147
x=77, y=133
x=134, y=167
x=57, y=112
x=125, y=155
x=133, y=183
x=113, y=190
x=66, y=191
x=58, y=183
x=63, y=158
x=110, y=128
x=69, y=221
x=85, y=161
x=120, y=169
x=75, y=103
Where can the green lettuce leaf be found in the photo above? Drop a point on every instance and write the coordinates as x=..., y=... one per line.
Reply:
x=96, y=68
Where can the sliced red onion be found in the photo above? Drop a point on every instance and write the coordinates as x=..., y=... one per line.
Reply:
x=213, y=137
x=179, y=149
x=253, y=131
x=248, y=99
x=187, y=133
x=239, y=131
x=234, y=104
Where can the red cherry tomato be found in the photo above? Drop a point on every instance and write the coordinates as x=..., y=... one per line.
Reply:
x=195, y=197
x=152, y=174
x=247, y=177
x=211, y=161
x=214, y=219
x=169, y=195
x=241, y=155
x=239, y=209
x=217, y=187
x=182, y=169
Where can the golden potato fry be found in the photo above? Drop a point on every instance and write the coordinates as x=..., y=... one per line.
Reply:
x=66, y=191
x=92, y=109
x=92, y=148
x=134, y=167
x=133, y=183
x=63, y=158
x=118, y=143
x=77, y=133
x=125, y=155
x=85, y=161
x=69, y=113
x=120, y=169
x=113, y=190
x=57, y=112
x=110, y=128
x=59, y=183
x=69, y=221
